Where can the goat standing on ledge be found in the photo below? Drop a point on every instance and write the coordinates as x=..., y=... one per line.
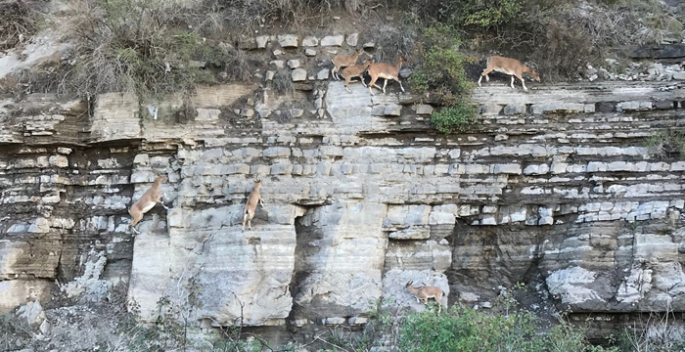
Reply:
x=252, y=200
x=386, y=71
x=512, y=67
x=426, y=292
x=149, y=199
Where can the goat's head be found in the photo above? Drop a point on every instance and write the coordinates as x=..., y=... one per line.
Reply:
x=257, y=184
x=535, y=75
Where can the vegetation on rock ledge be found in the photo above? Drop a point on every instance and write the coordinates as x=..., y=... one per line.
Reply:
x=147, y=48
x=440, y=71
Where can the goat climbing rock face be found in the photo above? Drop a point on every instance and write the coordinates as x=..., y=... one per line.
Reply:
x=253, y=200
x=147, y=201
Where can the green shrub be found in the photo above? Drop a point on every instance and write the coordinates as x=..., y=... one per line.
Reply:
x=486, y=13
x=455, y=118
x=441, y=72
x=466, y=329
x=668, y=141
x=476, y=14
x=441, y=65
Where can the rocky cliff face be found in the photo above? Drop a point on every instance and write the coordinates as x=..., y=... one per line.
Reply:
x=555, y=187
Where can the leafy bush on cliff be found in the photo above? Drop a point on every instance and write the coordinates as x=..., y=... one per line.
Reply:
x=455, y=118
x=440, y=65
x=481, y=13
x=670, y=141
x=440, y=71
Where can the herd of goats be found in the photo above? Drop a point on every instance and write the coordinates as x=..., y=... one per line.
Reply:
x=389, y=71
x=384, y=70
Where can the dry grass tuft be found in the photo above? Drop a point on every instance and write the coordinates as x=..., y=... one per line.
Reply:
x=282, y=82
x=150, y=48
x=20, y=20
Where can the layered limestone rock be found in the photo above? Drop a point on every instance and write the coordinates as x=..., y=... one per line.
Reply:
x=556, y=184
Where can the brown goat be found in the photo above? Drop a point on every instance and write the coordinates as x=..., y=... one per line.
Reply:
x=355, y=71
x=147, y=201
x=344, y=61
x=512, y=67
x=426, y=292
x=252, y=201
x=386, y=71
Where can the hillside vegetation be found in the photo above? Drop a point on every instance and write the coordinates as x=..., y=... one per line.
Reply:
x=156, y=47
x=132, y=45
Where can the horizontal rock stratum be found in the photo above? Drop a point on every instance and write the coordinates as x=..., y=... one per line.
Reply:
x=557, y=184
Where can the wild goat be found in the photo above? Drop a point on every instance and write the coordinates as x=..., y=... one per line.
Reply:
x=252, y=200
x=344, y=61
x=355, y=71
x=512, y=67
x=147, y=201
x=426, y=292
x=386, y=71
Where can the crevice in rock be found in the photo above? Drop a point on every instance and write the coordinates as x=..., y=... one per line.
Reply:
x=307, y=237
x=487, y=257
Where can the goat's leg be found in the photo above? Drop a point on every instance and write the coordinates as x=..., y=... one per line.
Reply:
x=373, y=84
x=523, y=82
x=137, y=216
x=398, y=81
x=347, y=81
x=161, y=201
x=485, y=73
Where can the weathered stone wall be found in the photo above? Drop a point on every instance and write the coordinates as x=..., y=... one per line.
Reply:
x=555, y=187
